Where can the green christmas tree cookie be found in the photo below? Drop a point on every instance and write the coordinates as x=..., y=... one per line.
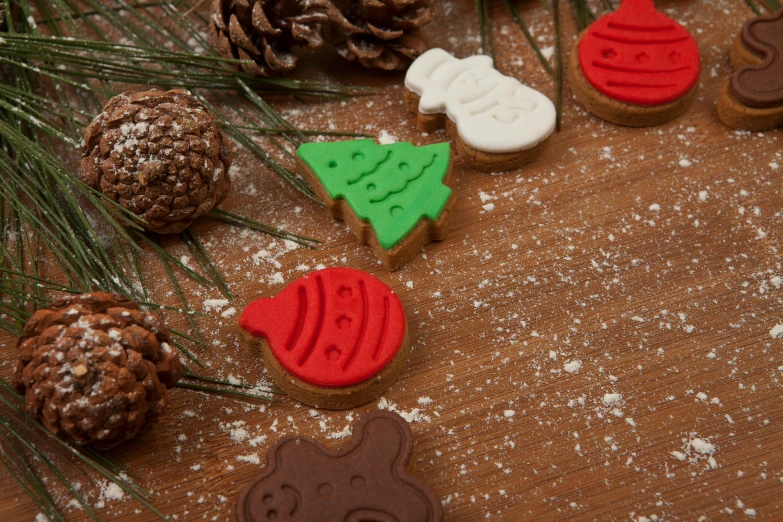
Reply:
x=394, y=197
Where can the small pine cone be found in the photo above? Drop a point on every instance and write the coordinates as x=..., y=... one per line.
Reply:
x=159, y=154
x=265, y=31
x=382, y=34
x=95, y=368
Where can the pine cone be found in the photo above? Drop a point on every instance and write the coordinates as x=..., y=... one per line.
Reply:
x=95, y=368
x=159, y=154
x=265, y=31
x=381, y=34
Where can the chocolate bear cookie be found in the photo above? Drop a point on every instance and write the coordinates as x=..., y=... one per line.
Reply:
x=366, y=482
x=753, y=98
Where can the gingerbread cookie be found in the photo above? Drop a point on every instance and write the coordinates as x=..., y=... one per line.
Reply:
x=335, y=339
x=395, y=197
x=366, y=482
x=753, y=98
x=635, y=66
x=497, y=123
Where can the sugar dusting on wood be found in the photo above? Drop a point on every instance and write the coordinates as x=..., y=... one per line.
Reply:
x=599, y=337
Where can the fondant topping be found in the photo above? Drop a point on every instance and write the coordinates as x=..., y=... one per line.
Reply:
x=493, y=113
x=640, y=56
x=762, y=85
x=393, y=187
x=368, y=481
x=336, y=327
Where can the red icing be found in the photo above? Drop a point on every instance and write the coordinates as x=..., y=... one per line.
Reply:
x=640, y=56
x=334, y=328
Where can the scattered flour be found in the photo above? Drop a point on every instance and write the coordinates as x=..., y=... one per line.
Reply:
x=777, y=331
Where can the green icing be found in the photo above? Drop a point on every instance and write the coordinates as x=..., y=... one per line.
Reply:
x=393, y=187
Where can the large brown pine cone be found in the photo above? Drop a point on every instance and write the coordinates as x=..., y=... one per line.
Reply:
x=381, y=34
x=159, y=154
x=95, y=368
x=265, y=31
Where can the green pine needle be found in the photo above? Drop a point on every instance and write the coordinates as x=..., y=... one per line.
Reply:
x=228, y=391
x=512, y=8
x=485, y=28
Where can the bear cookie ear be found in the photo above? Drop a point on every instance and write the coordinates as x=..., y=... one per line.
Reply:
x=384, y=437
x=366, y=482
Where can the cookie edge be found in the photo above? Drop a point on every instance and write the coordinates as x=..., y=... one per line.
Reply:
x=324, y=397
x=618, y=112
x=478, y=160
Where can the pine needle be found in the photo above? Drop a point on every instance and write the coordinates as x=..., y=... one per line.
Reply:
x=512, y=8
x=485, y=28
x=233, y=219
x=203, y=259
x=212, y=389
x=584, y=16
x=753, y=7
x=202, y=378
x=184, y=301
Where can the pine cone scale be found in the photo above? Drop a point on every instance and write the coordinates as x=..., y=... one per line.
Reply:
x=265, y=31
x=379, y=33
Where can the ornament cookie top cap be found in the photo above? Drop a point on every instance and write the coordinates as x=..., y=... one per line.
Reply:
x=761, y=85
x=334, y=328
x=367, y=481
x=493, y=113
x=639, y=56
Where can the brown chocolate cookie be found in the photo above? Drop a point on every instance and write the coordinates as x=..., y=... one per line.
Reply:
x=753, y=98
x=366, y=482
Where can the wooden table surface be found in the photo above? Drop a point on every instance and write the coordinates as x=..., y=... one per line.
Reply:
x=591, y=342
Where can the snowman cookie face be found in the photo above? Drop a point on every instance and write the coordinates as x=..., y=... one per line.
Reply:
x=493, y=113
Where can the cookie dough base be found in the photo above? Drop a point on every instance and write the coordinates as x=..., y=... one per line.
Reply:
x=736, y=114
x=619, y=112
x=476, y=159
x=321, y=396
x=423, y=233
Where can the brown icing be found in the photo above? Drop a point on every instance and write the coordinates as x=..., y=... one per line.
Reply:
x=762, y=85
x=366, y=482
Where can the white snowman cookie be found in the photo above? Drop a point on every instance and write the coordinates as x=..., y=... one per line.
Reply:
x=498, y=123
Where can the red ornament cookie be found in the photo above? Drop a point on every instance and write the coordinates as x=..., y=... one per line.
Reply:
x=335, y=339
x=635, y=66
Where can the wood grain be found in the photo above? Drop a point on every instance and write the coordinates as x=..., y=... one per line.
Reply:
x=650, y=256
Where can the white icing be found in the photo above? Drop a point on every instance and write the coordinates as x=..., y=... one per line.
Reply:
x=493, y=113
